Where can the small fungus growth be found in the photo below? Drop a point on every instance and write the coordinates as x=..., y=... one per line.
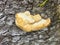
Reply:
x=28, y=22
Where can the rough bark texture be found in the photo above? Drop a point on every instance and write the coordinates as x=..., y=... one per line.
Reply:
x=10, y=34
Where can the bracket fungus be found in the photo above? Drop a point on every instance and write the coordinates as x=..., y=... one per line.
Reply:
x=28, y=22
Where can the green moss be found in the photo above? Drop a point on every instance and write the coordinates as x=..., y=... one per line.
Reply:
x=42, y=4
